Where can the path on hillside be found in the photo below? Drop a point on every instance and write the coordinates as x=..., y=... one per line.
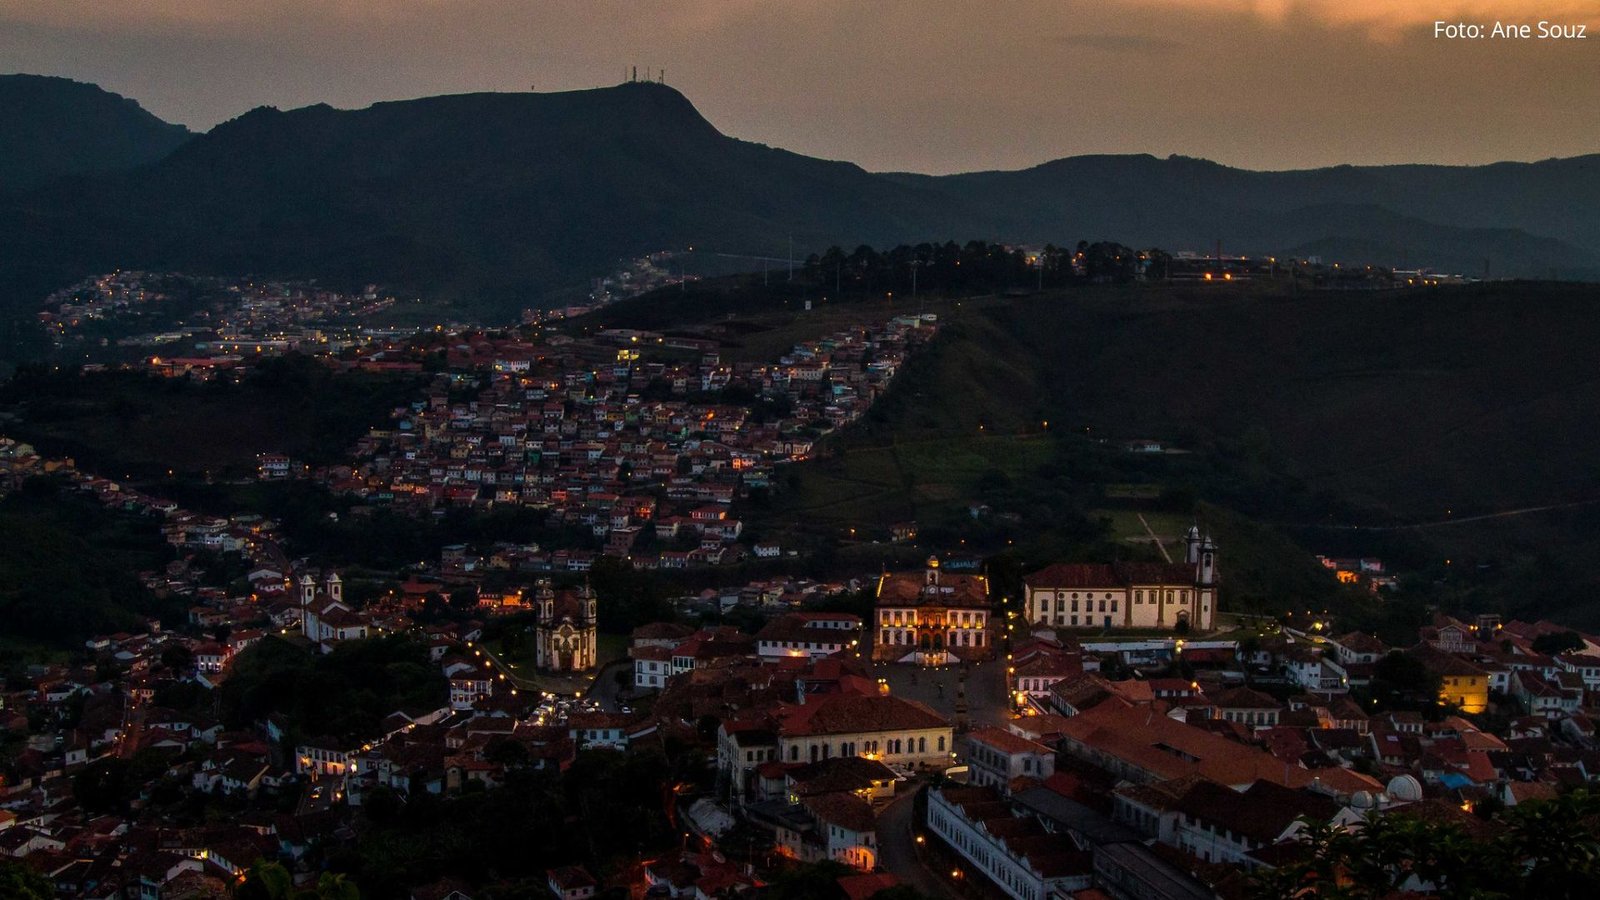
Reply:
x=1461, y=520
x=1155, y=540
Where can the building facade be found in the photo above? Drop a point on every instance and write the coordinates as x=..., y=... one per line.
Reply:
x=932, y=617
x=565, y=632
x=1173, y=596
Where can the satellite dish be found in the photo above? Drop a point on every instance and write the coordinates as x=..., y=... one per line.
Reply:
x=1405, y=788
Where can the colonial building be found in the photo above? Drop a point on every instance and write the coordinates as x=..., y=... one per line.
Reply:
x=1011, y=848
x=1177, y=596
x=932, y=617
x=324, y=617
x=996, y=758
x=899, y=733
x=809, y=634
x=565, y=632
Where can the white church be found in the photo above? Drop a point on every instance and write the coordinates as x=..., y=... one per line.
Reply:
x=1170, y=596
x=324, y=617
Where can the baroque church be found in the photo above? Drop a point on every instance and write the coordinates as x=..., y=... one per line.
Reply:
x=325, y=619
x=1176, y=597
x=565, y=628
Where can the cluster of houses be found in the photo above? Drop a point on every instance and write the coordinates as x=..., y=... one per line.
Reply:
x=1135, y=758
x=20, y=462
x=112, y=709
x=202, y=326
x=648, y=455
x=1164, y=786
x=1156, y=785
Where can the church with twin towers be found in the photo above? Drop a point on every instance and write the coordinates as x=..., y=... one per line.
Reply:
x=1171, y=596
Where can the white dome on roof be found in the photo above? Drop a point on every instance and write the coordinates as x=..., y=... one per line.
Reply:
x=1405, y=788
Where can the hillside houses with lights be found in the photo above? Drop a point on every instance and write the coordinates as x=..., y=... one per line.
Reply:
x=595, y=433
x=1136, y=764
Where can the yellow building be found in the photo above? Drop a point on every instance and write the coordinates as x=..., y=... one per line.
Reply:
x=1460, y=682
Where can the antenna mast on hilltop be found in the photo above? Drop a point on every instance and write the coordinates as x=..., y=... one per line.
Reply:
x=630, y=75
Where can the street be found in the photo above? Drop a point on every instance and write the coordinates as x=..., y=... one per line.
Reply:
x=897, y=847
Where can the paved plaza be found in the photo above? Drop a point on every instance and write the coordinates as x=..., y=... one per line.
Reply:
x=940, y=688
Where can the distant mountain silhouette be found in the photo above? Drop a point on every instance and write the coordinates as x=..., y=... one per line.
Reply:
x=495, y=200
x=55, y=127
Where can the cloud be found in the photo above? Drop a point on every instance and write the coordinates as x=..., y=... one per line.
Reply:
x=1121, y=43
x=1383, y=18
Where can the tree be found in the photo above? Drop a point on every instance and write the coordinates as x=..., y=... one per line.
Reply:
x=1549, y=849
x=1401, y=679
x=178, y=658
x=333, y=886
x=382, y=804
x=266, y=881
x=18, y=882
x=1557, y=642
x=103, y=786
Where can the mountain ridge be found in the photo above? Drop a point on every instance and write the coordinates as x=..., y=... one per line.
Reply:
x=43, y=114
x=495, y=200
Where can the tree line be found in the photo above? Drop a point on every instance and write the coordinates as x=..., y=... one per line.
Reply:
x=979, y=265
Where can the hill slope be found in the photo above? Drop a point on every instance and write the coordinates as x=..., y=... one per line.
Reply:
x=1357, y=424
x=493, y=200
x=56, y=127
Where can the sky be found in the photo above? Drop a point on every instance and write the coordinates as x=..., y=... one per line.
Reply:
x=908, y=85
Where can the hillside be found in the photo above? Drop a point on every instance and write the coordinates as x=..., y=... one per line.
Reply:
x=56, y=128
x=128, y=424
x=1343, y=423
x=67, y=570
x=492, y=201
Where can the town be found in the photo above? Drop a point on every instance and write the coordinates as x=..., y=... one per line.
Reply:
x=732, y=451
x=1106, y=731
